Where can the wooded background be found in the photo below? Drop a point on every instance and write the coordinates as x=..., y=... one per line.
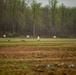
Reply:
x=27, y=17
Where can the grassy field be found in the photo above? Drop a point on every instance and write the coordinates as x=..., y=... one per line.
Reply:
x=22, y=56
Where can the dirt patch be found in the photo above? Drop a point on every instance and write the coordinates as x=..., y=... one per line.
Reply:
x=37, y=60
x=38, y=52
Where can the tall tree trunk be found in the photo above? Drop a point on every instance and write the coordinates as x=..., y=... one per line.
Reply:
x=53, y=4
x=1, y=14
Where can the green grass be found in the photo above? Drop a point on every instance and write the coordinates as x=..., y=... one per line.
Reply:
x=14, y=40
x=35, y=42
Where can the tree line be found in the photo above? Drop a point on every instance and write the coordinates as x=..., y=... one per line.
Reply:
x=27, y=17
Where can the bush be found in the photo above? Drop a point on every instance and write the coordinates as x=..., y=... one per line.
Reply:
x=9, y=35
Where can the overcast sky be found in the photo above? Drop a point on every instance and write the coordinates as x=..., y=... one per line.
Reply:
x=71, y=3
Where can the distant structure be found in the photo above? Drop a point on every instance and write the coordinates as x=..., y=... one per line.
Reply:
x=28, y=36
x=54, y=37
x=38, y=38
x=4, y=36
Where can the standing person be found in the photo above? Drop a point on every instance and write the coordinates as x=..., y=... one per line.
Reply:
x=38, y=38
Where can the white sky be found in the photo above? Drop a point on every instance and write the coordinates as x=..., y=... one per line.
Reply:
x=71, y=3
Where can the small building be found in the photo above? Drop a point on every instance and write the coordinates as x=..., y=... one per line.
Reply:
x=4, y=36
